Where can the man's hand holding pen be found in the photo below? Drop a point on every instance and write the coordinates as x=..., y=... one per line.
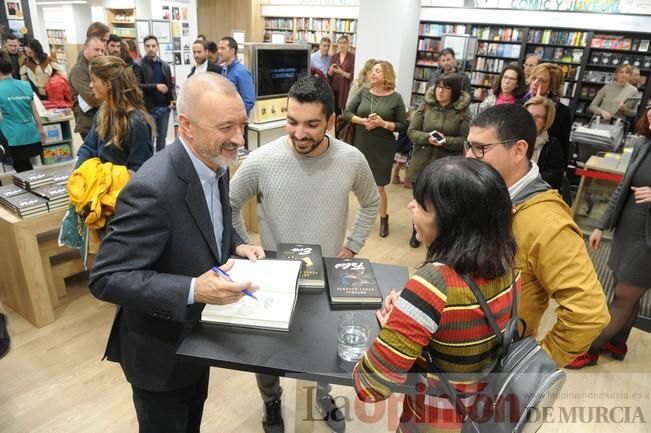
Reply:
x=210, y=288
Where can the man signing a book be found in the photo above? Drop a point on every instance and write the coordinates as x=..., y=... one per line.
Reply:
x=172, y=224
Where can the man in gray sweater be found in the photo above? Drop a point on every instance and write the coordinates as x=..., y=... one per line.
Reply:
x=302, y=182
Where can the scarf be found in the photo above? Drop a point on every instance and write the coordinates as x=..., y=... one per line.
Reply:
x=541, y=140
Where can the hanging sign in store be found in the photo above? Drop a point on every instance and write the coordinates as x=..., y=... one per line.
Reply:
x=602, y=6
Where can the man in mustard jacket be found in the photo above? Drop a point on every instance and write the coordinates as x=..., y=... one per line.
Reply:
x=551, y=251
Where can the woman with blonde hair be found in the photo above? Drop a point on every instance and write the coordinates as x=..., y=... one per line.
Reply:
x=617, y=99
x=361, y=81
x=547, y=152
x=546, y=80
x=377, y=112
x=122, y=131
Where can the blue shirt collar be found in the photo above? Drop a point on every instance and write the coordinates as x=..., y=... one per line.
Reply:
x=204, y=172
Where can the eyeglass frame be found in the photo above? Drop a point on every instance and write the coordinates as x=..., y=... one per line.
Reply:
x=470, y=146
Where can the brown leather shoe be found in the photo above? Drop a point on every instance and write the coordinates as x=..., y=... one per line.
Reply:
x=384, y=226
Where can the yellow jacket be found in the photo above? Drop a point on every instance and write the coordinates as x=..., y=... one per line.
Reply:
x=94, y=189
x=555, y=264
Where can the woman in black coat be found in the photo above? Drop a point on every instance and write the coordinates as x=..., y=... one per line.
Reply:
x=629, y=214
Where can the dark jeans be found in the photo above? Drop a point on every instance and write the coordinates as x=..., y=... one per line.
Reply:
x=176, y=411
x=161, y=117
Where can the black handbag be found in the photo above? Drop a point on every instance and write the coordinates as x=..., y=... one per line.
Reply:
x=345, y=131
x=522, y=377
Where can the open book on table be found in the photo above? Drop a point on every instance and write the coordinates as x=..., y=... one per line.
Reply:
x=278, y=284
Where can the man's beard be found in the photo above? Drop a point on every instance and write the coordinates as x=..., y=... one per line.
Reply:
x=311, y=149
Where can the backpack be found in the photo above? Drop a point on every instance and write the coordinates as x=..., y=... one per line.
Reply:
x=522, y=376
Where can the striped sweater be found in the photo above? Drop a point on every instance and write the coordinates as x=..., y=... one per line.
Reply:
x=439, y=311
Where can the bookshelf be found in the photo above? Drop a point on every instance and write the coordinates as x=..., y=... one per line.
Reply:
x=428, y=49
x=57, y=41
x=587, y=58
x=122, y=22
x=497, y=46
x=311, y=30
x=606, y=52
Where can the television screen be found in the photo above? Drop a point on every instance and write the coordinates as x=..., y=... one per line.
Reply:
x=278, y=68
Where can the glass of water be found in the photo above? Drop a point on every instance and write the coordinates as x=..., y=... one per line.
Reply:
x=353, y=336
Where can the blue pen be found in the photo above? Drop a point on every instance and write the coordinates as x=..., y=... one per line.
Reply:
x=225, y=276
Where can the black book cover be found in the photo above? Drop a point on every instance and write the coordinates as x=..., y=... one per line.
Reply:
x=52, y=192
x=11, y=191
x=33, y=176
x=352, y=282
x=26, y=202
x=311, y=276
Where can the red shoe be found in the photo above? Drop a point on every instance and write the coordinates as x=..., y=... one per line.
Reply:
x=583, y=361
x=615, y=352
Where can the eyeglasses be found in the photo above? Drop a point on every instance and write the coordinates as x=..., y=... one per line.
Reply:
x=510, y=78
x=442, y=87
x=539, y=117
x=479, y=150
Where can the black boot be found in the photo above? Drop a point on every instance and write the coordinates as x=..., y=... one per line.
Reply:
x=413, y=242
x=384, y=226
x=4, y=336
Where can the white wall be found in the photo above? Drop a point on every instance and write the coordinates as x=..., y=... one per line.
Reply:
x=388, y=30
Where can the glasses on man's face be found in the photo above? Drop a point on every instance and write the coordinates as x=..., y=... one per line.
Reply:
x=442, y=87
x=479, y=150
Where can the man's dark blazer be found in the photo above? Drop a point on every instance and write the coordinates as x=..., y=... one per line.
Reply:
x=144, y=72
x=610, y=218
x=161, y=237
x=211, y=68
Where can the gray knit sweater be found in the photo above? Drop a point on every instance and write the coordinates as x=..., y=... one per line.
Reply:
x=305, y=200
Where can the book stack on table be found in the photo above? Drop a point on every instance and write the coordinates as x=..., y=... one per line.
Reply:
x=49, y=189
x=21, y=202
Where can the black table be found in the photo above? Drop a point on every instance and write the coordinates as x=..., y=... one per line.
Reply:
x=307, y=352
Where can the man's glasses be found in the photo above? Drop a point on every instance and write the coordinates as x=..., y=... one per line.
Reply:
x=442, y=87
x=479, y=150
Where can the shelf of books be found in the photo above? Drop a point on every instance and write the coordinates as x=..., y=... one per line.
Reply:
x=284, y=25
x=311, y=30
x=564, y=47
x=606, y=52
x=429, y=47
x=497, y=46
x=588, y=59
x=123, y=22
x=57, y=40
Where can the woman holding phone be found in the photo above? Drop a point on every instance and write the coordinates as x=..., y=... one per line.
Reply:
x=341, y=73
x=377, y=112
x=439, y=127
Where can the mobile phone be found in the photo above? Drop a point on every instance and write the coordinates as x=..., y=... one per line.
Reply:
x=372, y=115
x=440, y=138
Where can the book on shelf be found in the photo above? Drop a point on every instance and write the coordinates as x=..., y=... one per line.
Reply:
x=312, y=275
x=277, y=282
x=351, y=282
x=644, y=45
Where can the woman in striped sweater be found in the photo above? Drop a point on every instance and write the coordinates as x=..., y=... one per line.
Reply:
x=462, y=211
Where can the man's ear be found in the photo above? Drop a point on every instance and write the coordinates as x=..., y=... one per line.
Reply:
x=520, y=150
x=184, y=125
x=331, y=122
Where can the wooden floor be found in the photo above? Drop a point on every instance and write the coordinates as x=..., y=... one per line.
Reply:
x=53, y=380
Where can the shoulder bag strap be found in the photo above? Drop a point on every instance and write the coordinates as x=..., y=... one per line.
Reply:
x=490, y=318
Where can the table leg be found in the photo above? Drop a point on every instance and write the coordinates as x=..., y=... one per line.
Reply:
x=304, y=412
x=577, y=200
